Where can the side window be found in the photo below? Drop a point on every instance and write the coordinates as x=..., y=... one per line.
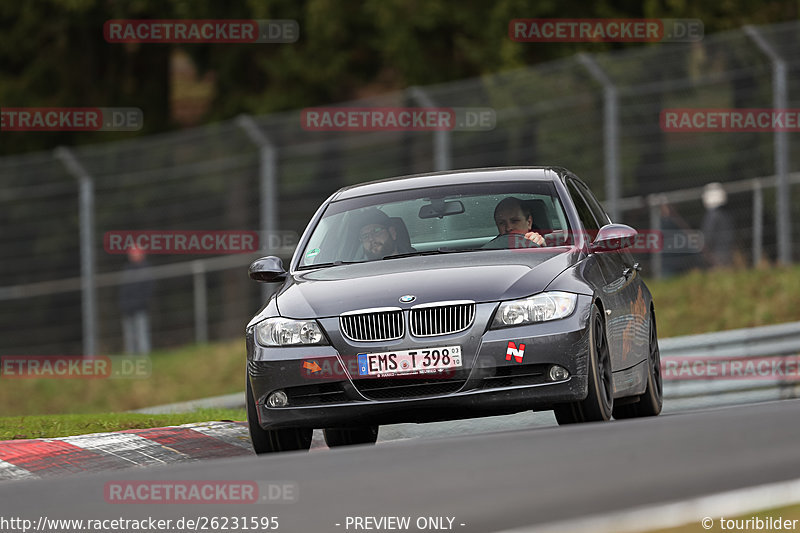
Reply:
x=599, y=213
x=584, y=213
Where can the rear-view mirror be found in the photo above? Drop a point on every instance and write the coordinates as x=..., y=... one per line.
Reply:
x=440, y=208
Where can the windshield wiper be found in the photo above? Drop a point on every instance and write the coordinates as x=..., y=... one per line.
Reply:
x=331, y=264
x=442, y=250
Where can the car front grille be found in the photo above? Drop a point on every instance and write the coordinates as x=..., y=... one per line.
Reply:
x=373, y=325
x=387, y=323
x=441, y=318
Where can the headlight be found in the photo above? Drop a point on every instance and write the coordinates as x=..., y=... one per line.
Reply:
x=287, y=332
x=538, y=308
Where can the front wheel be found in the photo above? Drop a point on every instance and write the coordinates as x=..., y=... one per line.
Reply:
x=273, y=440
x=599, y=403
x=350, y=436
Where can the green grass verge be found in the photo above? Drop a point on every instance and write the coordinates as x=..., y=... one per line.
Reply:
x=50, y=426
x=697, y=302
x=177, y=375
x=701, y=302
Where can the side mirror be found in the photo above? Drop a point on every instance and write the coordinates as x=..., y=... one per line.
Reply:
x=267, y=269
x=613, y=237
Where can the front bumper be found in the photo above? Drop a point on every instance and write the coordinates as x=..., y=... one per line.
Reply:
x=325, y=390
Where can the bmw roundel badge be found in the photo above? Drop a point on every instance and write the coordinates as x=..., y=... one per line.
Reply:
x=407, y=298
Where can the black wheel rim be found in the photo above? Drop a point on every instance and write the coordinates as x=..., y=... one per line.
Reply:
x=603, y=362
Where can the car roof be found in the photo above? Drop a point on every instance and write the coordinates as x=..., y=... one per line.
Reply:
x=450, y=177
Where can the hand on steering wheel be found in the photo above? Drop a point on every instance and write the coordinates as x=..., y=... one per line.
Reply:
x=525, y=240
x=515, y=241
x=535, y=237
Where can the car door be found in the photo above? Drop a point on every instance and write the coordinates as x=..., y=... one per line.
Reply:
x=611, y=266
x=630, y=325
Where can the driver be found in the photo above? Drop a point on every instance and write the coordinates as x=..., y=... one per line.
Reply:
x=510, y=217
x=378, y=235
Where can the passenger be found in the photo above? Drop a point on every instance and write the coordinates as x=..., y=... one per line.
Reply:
x=379, y=236
x=511, y=217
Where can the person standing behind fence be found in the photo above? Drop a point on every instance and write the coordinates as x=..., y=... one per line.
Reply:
x=134, y=299
x=717, y=227
x=674, y=229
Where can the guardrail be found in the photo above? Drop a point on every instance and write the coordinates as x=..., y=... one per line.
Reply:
x=732, y=367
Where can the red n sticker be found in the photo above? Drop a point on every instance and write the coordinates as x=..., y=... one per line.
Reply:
x=517, y=353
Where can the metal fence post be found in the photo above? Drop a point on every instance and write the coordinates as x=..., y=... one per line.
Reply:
x=200, y=302
x=441, y=138
x=654, y=202
x=610, y=134
x=781, y=147
x=758, y=221
x=86, y=217
x=268, y=173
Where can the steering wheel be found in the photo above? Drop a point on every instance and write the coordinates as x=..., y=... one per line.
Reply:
x=510, y=241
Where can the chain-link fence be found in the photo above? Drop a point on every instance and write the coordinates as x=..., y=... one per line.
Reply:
x=597, y=115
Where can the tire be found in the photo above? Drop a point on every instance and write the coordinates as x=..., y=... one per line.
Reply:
x=599, y=403
x=350, y=436
x=652, y=399
x=275, y=440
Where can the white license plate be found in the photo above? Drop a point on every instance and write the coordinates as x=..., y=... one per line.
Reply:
x=421, y=361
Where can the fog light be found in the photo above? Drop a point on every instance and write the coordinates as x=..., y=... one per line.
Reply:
x=277, y=399
x=558, y=373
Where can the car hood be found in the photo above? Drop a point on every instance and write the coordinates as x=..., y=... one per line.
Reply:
x=480, y=276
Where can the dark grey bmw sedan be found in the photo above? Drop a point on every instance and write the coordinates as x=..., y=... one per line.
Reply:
x=451, y=295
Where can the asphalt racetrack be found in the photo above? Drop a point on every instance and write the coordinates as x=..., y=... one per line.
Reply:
x=487, y=482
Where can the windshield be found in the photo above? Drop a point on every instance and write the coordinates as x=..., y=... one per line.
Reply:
x=437, y=220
